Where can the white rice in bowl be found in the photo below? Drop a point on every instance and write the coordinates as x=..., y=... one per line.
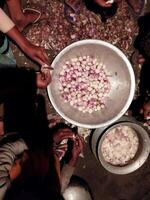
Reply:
x=120, y=145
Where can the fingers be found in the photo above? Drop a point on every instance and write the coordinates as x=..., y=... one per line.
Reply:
x=103, y=3
x=62, y=134
x=107, y=5
x=46, y=76
x=141, y=59
x=43, y=79
x=79, y=143
x=40, y=55
x=45, y=57
x=66, y=135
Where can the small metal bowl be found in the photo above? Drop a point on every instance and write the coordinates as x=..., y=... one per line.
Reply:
x=78, y=189
x=121, y=77
x=140, y=157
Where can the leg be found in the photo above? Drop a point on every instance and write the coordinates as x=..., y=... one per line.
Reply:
x=20, y=18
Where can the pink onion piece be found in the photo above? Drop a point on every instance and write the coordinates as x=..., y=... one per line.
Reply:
x=120, y=145
x=84, y=83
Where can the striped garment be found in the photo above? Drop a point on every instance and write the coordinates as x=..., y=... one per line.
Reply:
x=8, y=153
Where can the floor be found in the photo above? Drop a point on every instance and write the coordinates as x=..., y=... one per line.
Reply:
x=107, y=186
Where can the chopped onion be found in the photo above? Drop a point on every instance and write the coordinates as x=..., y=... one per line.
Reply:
x=120, y=145
x=84, y=84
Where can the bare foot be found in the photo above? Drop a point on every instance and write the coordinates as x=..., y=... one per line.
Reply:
x=28, y=17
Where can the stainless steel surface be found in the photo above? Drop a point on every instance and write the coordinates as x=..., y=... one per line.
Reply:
x=78, y=189
x=99, y=131
x=141, y=156
x=76, y=193
x=122, y=82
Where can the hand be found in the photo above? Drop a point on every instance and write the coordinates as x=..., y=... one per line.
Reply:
x=146, y=110
x=61, y=134
x=77, y=149
x=36, y=53
x=1, y=128
x=15, y=170
x=53, y=120
x=43, y=79
x=103, y=3
x=141, y=59
x=17, y=167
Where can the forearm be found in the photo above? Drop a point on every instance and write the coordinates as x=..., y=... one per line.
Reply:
x=6, y=24
x=18, y=38
x=8, y=27
x=66, y=174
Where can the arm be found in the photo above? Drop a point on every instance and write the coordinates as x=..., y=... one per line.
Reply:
x=66, y=174
x=38, y=54
x=69, y=168
x=60, y=135
x=8, y=153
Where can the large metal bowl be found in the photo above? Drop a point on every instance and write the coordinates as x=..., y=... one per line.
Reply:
x=140, y=157
x=122, y=82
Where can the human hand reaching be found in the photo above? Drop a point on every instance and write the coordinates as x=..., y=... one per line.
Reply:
x=61, y=134
x=38, y=54
x=17, y=167
x=103, y=3
x=43, y=79
x=78, y=145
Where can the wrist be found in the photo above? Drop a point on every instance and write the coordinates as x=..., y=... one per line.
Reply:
x=73, y=162
x=19, y=38
x=24, y=44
